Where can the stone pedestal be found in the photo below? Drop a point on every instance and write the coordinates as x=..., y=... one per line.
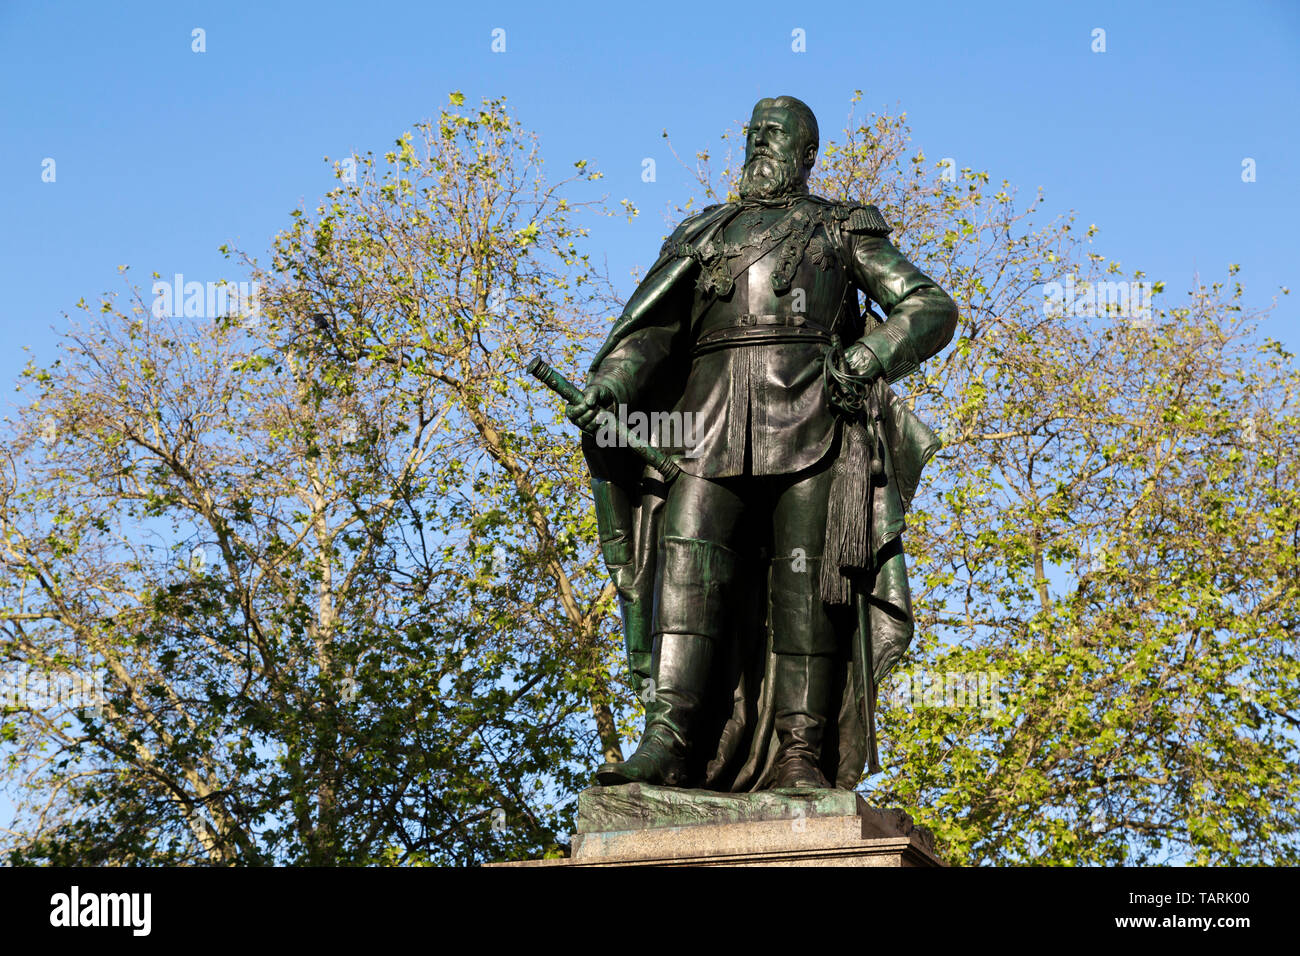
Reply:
x=638, y=825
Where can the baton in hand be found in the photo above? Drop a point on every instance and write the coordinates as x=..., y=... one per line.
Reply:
x=561, y=386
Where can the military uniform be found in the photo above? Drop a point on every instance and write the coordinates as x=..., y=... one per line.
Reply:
x=775, y=282
x=758, y=338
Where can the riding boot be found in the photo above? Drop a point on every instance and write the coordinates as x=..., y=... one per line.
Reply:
x=682, y=672
x=802, y=698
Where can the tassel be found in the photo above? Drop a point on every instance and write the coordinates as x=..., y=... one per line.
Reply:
x=848, y=515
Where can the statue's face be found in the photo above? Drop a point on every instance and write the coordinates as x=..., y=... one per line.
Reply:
x=774, y=165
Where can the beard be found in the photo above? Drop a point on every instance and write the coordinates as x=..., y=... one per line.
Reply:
x=769, y=177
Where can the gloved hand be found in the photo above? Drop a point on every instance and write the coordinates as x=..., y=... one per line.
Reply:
x=595, y=398
x=860, y=360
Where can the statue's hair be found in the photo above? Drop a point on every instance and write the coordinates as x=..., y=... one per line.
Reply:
x=802, y=112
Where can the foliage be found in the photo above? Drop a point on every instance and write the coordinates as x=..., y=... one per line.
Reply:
x=392, y=650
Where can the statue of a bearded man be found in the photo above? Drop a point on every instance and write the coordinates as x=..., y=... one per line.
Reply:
x=764, y=590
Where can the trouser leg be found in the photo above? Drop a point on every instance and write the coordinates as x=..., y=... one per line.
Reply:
x=803, y=634
x=695, y=571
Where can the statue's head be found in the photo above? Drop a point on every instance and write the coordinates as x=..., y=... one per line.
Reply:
x=780, y=148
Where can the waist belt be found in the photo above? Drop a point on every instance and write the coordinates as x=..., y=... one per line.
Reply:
x=758, y=329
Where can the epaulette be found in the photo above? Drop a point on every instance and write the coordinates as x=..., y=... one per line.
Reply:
x=685, y=223
x=673, y=245
x=866, y=219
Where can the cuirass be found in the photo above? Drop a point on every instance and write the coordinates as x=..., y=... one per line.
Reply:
x=758, y=343
x=786, y=289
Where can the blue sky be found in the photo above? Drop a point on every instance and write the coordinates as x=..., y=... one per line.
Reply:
x=162, y=154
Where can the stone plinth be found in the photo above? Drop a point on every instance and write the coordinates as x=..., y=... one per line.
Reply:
x=638, y=825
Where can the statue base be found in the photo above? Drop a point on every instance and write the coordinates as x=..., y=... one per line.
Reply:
x=639, y=825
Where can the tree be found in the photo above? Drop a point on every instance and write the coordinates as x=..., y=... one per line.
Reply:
x=401, y=637
x=333, y=556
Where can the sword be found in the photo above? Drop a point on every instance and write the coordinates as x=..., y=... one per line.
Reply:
x=561, y=386
x=868, y=680
x=864, y=613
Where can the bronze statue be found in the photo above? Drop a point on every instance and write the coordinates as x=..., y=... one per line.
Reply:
x=763, y=589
